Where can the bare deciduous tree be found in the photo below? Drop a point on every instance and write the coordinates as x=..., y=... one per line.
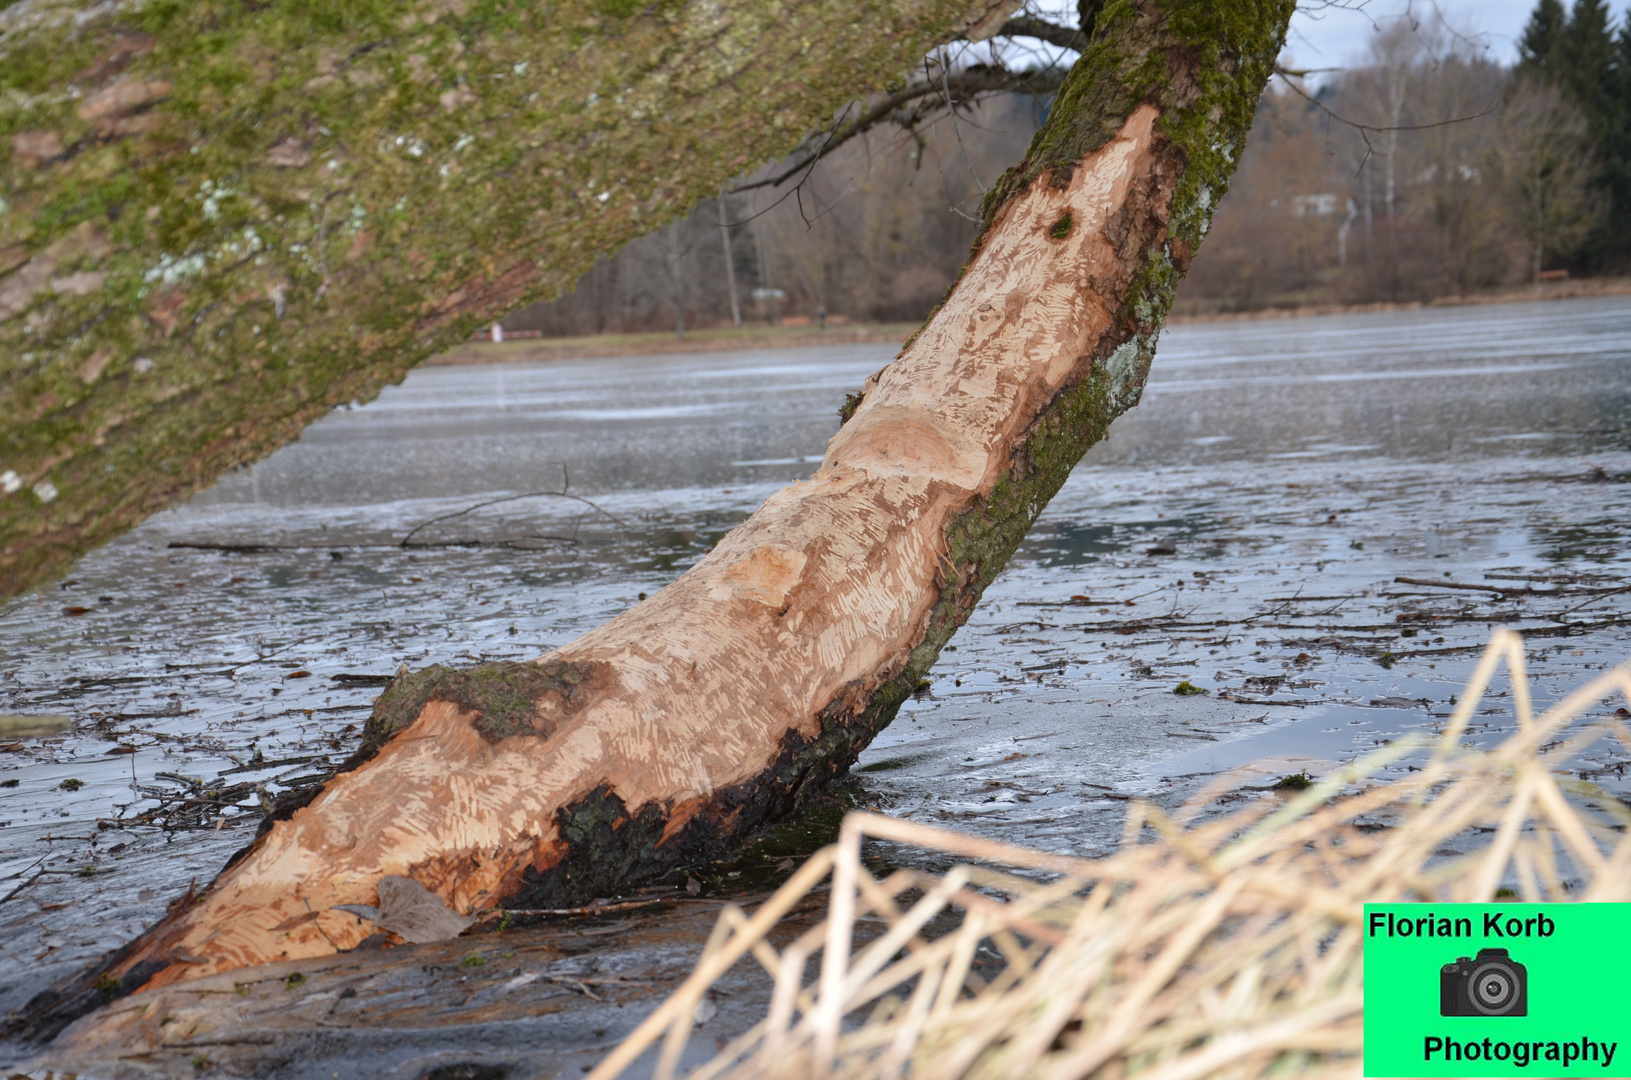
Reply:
x=1545, y=156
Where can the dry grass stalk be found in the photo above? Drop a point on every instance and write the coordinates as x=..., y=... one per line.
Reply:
x=1229, y=947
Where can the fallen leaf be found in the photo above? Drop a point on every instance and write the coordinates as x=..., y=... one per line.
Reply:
x=415, y=914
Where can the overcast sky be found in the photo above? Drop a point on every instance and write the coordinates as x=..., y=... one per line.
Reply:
x=1333, y=36
x=1337, y=33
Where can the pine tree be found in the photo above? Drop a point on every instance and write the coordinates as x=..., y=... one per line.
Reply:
x=1615, y=148
x=1584, y=60
x=1540, y=36
x=1580, y=53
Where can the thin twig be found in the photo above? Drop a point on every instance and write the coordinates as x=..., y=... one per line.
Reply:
x=1289, y=78
x=566, y=481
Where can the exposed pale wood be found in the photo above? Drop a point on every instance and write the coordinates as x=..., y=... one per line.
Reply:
x=833, y=578
x=677, y=727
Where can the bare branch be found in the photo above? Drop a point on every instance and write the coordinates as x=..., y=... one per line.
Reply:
x=566, y=483
x=1030, y=26
x=1289, y=78
x=906, y=108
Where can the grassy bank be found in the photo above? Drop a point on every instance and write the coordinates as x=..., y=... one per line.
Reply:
x=1194, y=312
x=746, y=338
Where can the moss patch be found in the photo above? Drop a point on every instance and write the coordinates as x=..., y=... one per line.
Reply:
x=504, y=696
x=851, y=403
x=256, y=212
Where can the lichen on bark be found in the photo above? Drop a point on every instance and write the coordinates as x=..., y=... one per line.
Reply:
x=220, y=220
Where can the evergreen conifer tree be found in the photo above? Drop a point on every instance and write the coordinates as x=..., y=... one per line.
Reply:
x=1580, y=53
x=1584, y=59
x=1615, y=149
x=1540, y=36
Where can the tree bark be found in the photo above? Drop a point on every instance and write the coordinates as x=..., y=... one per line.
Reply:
x=220, y=220
x=674, y=730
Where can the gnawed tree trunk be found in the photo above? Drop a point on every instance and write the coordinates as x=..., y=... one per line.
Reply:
x=219, y=220
x=672, y=731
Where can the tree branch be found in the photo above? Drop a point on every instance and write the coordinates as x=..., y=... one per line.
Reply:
x=1029, y=26
x=1288, y=76
x=955, y=91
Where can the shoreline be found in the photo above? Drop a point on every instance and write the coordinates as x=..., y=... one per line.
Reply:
x=730, y=339
x=743, y=339
x=1559, y=290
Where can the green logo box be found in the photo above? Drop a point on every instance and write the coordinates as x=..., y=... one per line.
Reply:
x=1497, y=990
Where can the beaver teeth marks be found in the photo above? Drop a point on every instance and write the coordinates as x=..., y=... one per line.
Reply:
x=765, y=576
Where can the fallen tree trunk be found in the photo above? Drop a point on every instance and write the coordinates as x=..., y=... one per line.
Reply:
x=672, y=731
x=219, y=221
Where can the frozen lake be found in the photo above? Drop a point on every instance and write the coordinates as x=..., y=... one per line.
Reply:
x=1244, y=530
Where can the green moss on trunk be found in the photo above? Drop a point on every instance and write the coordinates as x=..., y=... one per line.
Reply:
x=1203, y=64
x=220, y=220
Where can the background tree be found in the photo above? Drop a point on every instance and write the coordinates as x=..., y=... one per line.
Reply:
x=1546, y=160
x=1581, y=54
x=1541, y=34
x=1458, y=222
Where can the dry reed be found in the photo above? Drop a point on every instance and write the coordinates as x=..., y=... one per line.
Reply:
x=1229, y=947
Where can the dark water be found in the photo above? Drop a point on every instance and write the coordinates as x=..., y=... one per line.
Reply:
x=1241, y=530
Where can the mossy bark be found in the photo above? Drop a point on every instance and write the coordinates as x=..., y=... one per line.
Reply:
x=219, y=220
x=705, y=711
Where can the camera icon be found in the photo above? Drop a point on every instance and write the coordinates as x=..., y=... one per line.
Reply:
x=1490, y=984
